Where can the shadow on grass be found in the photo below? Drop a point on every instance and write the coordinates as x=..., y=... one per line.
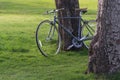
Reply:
x=22, y=50
x=80, y=78
x=81, y=52
x=64, y=57
x=114, y=76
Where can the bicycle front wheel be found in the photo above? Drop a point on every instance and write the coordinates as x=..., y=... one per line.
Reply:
x=88, y=32
x=48, y=38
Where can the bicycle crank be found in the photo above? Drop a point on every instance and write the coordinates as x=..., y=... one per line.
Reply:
x=77, y=43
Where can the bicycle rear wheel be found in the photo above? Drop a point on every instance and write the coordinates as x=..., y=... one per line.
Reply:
x=88, y=31
x=48, y=38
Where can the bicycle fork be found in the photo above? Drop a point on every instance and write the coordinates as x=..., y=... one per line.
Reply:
x=51, y=32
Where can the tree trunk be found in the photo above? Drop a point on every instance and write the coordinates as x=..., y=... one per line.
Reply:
x=104, y=52
x=71, y=24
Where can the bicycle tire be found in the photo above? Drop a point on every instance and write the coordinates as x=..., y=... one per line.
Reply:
x=48, y=38
x=88, y=31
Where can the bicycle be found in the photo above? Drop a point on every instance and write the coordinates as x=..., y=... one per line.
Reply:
x=48, y=37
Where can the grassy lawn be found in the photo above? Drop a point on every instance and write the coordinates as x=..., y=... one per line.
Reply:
x=19, y=56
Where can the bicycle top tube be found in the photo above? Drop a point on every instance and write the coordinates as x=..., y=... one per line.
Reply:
x=68, y=17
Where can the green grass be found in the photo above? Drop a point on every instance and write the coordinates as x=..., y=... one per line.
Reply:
x=19, y=56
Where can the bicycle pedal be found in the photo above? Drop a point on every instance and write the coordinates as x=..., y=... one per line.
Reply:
x=69, y=47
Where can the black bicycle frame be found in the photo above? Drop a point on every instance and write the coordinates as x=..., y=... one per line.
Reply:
x=68, y=31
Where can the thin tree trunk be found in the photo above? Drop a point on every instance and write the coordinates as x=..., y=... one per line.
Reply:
x=71, y=24
x=104, y=52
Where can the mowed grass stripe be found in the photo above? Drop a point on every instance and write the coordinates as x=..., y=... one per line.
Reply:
x=19, y=55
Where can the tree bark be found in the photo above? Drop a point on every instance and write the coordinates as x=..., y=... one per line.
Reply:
x=104, y=52
x=71, y=24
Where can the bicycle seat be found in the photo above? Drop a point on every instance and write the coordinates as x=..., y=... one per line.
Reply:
x=83, y=10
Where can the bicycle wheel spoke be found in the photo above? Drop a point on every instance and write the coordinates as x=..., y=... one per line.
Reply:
x=88, y=30
x=47, y=38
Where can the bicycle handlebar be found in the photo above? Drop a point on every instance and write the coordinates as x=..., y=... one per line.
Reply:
x=83, y=10
x=54, y=11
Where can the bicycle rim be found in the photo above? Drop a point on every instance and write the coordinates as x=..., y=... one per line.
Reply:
x=47, y=38
x=88, y=31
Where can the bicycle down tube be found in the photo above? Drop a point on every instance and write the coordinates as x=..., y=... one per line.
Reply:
x=68, y=31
